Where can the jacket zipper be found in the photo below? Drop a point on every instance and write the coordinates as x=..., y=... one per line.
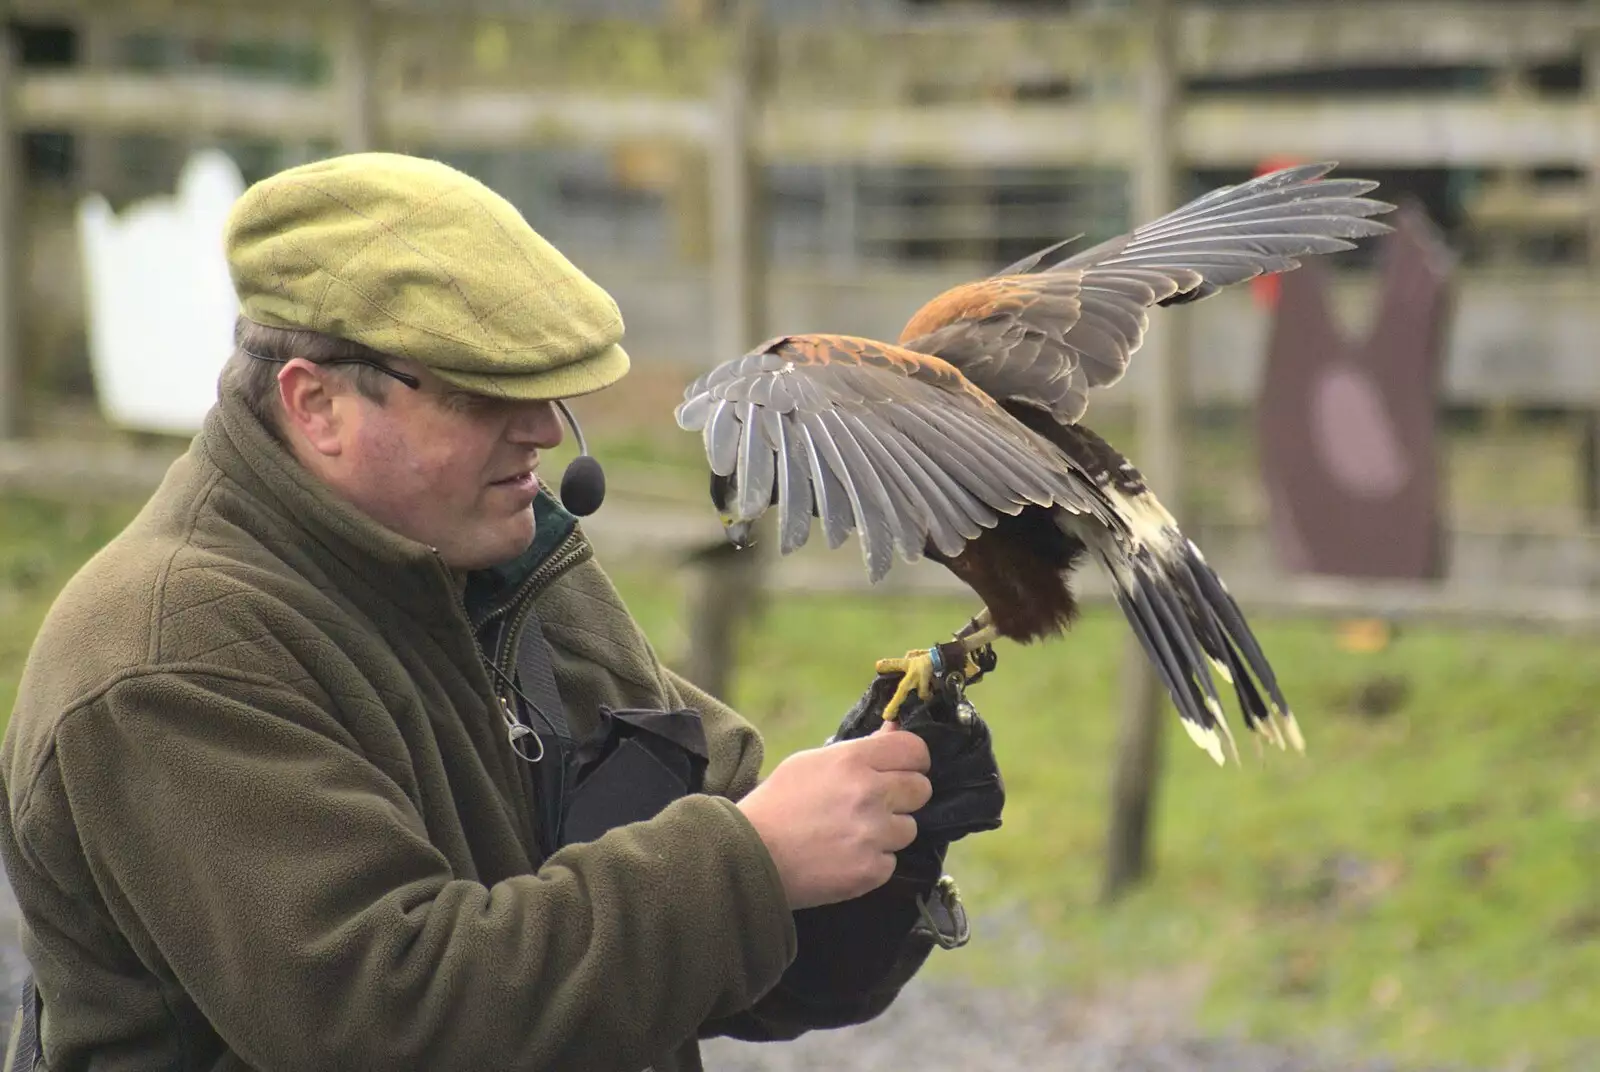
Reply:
x=571, y=552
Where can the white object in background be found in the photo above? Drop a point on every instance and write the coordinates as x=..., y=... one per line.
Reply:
x=160, y=303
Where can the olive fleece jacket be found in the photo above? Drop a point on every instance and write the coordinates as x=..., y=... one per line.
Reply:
x=262, y=813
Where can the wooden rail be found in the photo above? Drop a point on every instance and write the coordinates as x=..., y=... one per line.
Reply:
x=1518, y=337
x=973, y=53
x=1387, y=132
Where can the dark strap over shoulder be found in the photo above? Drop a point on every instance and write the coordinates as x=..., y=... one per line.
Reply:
x=536, y=676
x=540, y=707
x=632, y=765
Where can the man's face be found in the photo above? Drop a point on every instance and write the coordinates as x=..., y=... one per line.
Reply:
x=452, y=470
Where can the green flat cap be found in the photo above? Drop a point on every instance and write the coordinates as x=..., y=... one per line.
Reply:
x=416, y=259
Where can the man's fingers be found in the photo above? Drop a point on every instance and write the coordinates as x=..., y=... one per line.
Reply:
x=902, y=832
x=907, y=791
x=895, y=751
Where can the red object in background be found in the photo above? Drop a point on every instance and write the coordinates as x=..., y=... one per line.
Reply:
x=1267, y=288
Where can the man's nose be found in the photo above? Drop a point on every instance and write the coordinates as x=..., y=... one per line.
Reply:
x=536, y=424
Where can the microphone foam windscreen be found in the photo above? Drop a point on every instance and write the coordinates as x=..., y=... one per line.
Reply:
x=583, y=486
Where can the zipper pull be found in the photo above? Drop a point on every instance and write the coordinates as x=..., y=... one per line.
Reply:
x=516, y=731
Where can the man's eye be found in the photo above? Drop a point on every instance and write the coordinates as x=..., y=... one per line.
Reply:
x=463, y=402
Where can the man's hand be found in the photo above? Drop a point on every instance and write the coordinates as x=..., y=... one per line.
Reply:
x=833, y=818
x=968, y=793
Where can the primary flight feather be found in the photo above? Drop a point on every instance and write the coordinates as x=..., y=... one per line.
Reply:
x=962, y=442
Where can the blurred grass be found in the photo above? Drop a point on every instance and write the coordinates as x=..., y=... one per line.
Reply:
x=42, y=542
x=1423, y=885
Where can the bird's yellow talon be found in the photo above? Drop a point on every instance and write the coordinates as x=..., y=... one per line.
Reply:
x=917, y=670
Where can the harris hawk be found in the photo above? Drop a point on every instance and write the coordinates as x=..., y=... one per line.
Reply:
x=962, y=442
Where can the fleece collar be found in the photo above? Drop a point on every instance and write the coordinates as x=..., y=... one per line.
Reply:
x=236, y=441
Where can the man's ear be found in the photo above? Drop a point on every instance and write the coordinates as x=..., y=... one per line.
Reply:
x=306, y=397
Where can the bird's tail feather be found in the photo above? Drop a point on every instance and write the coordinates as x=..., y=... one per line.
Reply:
x=1189, y=625
x=1164, y=630
x=1235, y=653
x=1238, y=655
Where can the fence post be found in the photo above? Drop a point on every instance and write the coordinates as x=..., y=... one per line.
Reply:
x=724, y=592
x=1589, y=456
x=726, y=587
x=1136, y=766
x=738, y=233
x=359, y=118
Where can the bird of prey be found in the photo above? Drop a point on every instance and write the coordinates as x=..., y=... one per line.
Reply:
x=962, y=442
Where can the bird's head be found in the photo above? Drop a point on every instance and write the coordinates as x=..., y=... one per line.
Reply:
x=724, y=493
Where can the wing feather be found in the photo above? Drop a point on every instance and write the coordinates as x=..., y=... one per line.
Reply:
x=695, y=409
x=833, y=500
x=898, y=447
x=722, y=438
x=954, y=450
x=756, y=464
x=794, y=491
x=1029, y=478
x=952, y=512
x=1044, y=333
x=909, y=512
x=875, y=512
x=876, y=543
x=761, y=390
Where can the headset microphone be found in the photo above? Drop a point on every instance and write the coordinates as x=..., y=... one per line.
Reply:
x=583, y=485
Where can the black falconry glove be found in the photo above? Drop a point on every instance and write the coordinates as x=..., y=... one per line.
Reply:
x=854, y=955
x=968, y=792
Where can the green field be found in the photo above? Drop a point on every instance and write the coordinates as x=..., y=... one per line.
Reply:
x=1425, y=884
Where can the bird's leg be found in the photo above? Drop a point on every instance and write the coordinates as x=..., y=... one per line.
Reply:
x=982, y=620
x=979, y=636
x=979, y=649
x=967, y=658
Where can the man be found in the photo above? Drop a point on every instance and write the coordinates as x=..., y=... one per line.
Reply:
x=347, y=755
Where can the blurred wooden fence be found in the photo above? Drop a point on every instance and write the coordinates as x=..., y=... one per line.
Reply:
x=956, y=90
x=948, y=92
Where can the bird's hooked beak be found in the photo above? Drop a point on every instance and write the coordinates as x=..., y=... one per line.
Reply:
x=738, y=532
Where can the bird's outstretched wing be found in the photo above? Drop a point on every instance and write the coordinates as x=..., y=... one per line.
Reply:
x=870, y=437
x=1045, y=335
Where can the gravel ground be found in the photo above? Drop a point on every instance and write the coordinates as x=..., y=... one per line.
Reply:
x=940, y=1025
x=943, y=1025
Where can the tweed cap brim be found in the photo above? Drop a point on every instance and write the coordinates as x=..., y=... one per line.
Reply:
x=420, y=261
x=594, y=373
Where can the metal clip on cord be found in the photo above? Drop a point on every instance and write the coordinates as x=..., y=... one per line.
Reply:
x=947, y=924
x=517, y=731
